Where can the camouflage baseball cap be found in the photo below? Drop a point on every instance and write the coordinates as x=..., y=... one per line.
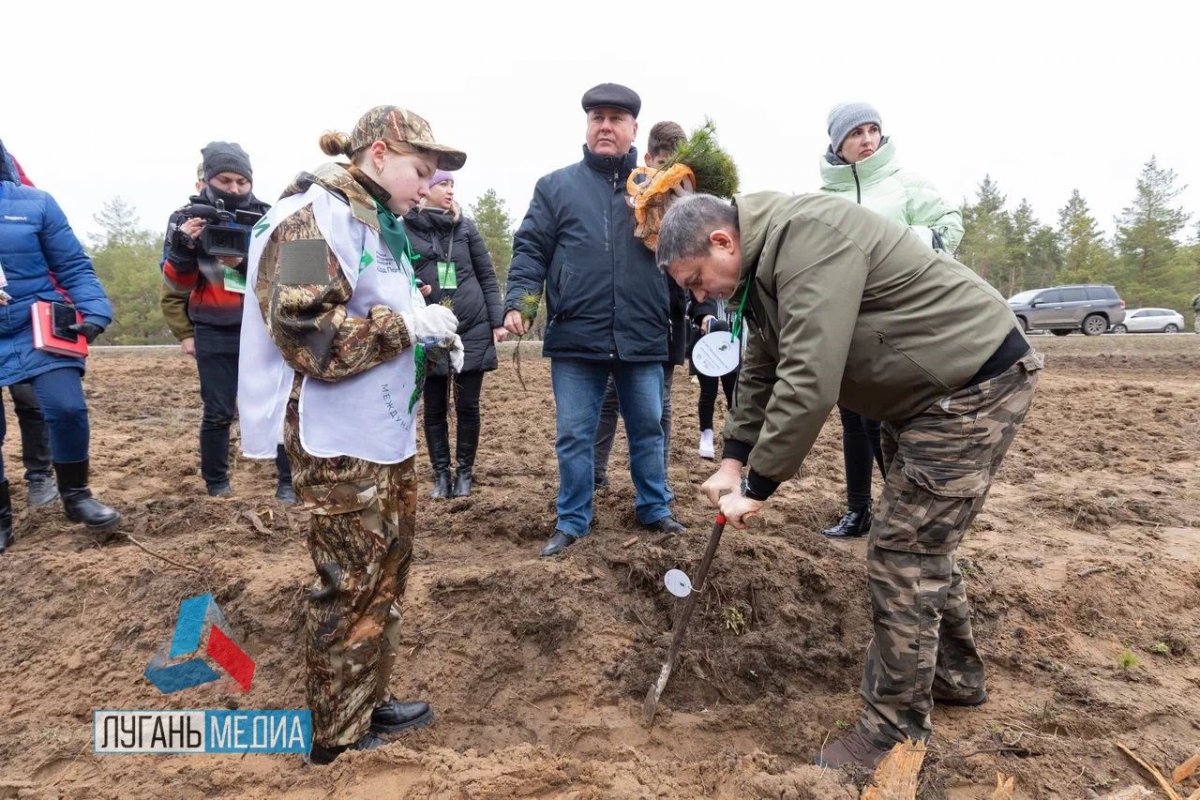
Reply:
x=395, y=124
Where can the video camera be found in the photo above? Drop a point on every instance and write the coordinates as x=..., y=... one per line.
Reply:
x=227, y=233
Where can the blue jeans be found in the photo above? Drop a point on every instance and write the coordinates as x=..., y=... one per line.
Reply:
x=578, y=392
x=606, y=431
x=60, y=394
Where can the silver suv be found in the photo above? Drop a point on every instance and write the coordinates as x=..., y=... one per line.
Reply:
x=1091, y=308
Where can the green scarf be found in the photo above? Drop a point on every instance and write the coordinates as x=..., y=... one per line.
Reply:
x=391, y=228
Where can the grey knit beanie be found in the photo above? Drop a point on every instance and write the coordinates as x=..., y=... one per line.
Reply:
x=226, y=157
x=848, y=116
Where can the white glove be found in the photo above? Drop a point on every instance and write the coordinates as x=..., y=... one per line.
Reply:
x=436, y=326
x=430, y=324
x=457, y=353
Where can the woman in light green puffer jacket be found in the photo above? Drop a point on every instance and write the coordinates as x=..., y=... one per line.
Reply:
x=861, y=166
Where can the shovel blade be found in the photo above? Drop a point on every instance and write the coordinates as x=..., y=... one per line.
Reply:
x=650, y=706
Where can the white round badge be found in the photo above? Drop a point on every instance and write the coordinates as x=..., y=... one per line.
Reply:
x=678, y=583
x=716, y=354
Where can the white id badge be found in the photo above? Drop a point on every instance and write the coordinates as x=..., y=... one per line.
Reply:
x=716, y=354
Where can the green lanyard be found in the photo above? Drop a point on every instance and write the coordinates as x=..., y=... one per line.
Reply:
x=740, y=314
x=391, y=230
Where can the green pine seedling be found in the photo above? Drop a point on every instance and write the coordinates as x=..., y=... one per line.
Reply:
x=1127, y=660
x=528, y=308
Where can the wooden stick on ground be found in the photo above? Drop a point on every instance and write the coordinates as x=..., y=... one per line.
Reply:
x=148, y=551
x=1187, y=769
x=1158, y=776
x=896, y=776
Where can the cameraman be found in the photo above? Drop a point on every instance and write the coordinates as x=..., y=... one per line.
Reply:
x=215, y=287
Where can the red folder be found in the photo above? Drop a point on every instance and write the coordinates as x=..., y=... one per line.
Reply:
x=46, y=338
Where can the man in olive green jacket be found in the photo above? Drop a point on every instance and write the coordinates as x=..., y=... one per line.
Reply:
x=847, y=307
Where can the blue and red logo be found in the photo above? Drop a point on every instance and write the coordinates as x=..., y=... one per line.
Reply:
x=200, y=645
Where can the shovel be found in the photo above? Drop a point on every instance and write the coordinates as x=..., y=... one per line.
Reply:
x=656, y=689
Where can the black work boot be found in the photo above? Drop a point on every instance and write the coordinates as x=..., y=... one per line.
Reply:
x=78, y=502
x=6, y=534
x=855, y=522
x=325, y=755
x=468, y=443
x=395, y=716
x=437, y=437
x=852, y=750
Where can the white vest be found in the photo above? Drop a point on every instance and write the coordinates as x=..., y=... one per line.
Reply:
x=367, y=416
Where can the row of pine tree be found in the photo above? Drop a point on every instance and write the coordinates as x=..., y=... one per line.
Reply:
x=1151, y=259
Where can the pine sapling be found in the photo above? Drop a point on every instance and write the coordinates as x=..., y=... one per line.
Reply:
x=528, y=308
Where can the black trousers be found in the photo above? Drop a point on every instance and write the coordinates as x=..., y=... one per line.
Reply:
x=708, y=395
x=468, y=386
x=861, y=450
x=35, y=440
x=217, y=363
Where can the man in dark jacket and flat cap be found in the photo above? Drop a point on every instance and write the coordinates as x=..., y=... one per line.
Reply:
x=608, y=314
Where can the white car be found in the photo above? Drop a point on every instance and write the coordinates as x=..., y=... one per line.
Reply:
x=1150, y=320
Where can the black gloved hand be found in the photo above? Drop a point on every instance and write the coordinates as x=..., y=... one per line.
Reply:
x=87, y=330
x=718, y=325
x=181, y=248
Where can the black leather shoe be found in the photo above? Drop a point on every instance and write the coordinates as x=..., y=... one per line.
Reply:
x=220, y=490
x=557, y=543
x=441, y=484
x=668, y=525
x=395, y=716
x=326, y=755
x=286, y=493
x=854, y=523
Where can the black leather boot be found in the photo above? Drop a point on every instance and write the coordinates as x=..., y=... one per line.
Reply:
x=437, y=437
x=462, y=482
x=856, y=522
x=468, y=443
x=78, y=502
x=6, y=534
x=441, y=484
x=395, y=716
x=284, y=491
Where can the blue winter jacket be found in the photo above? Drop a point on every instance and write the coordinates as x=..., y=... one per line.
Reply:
x=37, y=244
x=605, y=296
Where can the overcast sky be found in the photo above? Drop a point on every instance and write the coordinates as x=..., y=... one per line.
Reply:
x=117, y=98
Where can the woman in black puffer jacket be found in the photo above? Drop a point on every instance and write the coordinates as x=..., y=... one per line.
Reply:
x=454, y=267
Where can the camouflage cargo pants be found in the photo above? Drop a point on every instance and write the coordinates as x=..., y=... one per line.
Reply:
x=940, y=465
x=360, y=538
